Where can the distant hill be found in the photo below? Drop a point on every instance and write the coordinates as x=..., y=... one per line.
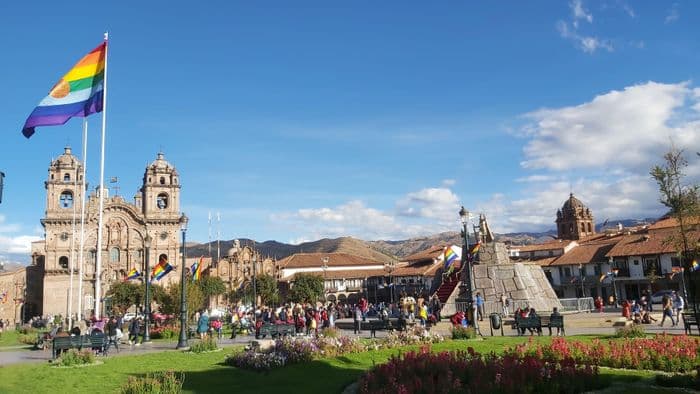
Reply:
x=280, y=250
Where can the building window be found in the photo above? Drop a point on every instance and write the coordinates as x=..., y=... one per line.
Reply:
x=66, y=177
x=589, y=228
x=162, y=180
x=114, y=255
x=162, y=201
x=551, y=253
x=675, y=262
x=63, y=262
x=66, y=200
x=597, y=270
x=93, y=255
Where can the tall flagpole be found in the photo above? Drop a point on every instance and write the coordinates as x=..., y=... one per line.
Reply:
x=71, y=263
x=81, y=254
x=98, y=264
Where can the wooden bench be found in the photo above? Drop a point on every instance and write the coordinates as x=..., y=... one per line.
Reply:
x=553, y=322
x=689, y=321
x=379, y=325
x=530, y=322
x=59, y=344
x=191, y=331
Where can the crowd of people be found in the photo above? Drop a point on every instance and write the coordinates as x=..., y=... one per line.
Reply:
x=639, y=311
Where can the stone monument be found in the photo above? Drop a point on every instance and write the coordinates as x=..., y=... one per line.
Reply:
x=494, y=274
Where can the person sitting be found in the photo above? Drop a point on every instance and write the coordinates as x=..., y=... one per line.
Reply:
x=533, y=314
x=647, y=318
x=555, y=313
x=75, y=331
x=636, y=313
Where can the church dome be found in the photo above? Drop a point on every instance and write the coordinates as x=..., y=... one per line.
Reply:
x=160, y=163
x=231, y=252
x=66, y=160
x=572, y=204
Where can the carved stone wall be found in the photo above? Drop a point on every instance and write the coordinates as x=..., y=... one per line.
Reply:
x=525, y=284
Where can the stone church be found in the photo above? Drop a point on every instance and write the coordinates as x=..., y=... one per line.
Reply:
x=574, y=220
x=155, y=212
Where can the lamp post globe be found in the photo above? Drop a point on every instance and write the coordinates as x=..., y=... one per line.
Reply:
x=147, y=277
x=182, y=341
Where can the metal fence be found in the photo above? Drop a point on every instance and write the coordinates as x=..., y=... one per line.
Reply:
x=568, y=305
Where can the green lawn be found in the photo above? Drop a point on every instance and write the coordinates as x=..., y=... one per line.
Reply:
x=205, y=373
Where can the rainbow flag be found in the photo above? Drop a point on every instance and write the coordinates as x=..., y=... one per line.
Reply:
x=197, y=269
x=79, y=93
x=450, y=256
x=161, y=269
x=475, y=249
x=133, y=274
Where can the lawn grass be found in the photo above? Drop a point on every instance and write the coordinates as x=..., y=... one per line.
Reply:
x=207, y=373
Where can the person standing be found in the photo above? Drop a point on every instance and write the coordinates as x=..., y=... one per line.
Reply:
x=111, y=331
x=667, y=305
x=134, y=330
x=436, y=307
x=203, y=325
x=480, y=306
x=504, y=304
x=678, y=306
x=357, y=316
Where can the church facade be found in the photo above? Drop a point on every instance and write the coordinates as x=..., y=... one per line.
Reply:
x=155, y=211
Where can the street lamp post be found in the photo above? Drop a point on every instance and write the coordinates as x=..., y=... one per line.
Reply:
x=390, y=269
x=254, y=260
x=464, y=218
x=324, y=260
x=583, y=277
x=182, y=342
x=147, y=277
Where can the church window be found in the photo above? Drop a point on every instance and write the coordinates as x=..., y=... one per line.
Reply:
x=63, y=262
x=589, y=228
x=52, y=177
x=66, y=177
x=174, y=181
x=114, y=255
x=162, y=180
x=66, y=200
x=93, y=255
x=162, y=201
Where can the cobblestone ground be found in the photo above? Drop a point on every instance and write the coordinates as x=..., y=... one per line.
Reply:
x=576, y=324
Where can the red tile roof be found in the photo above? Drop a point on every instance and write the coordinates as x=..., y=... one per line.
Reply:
x=670, y=222
x=652, y=242
x=427, y=254
x=551, y=245
x=342, y=274
x=590, y=252
x=307, y=260
x=420, y=269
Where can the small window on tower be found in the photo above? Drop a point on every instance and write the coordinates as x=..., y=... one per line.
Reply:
x=66, y=177
x=162, y=201
x=63, y=262
x=66, y=200
x=162, y=180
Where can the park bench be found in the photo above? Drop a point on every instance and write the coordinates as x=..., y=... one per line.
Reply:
x=379, y=325
x=530, y=322
x=98, y=340
x=64, y=343
x=276, y=330
x=689, y=321
x=191, y=331
x=553, y=322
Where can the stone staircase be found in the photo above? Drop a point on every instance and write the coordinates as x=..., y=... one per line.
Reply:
x=448, y=291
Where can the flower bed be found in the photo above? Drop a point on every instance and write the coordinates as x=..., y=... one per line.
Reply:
x=669, y=353
x=469, y=371
x=290, y=350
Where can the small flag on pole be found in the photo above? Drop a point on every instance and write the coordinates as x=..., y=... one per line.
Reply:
x=197, y=269
x=78, y=93
x=450, y=256
x=161, y=269
x=133, y=274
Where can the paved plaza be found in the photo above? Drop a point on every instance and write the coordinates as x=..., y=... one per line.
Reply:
x=576, y=324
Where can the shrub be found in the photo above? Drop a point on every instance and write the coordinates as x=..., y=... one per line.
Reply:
x=460, y=332
x=73, y=357
x=157, y=383
x=688, y=381
x=255, y=361
x=27, y=339
x=164, y=332
x=633, y=331
x=330, y=332
x=207, y=344
x=449, y=372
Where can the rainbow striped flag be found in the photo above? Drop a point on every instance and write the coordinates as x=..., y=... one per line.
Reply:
x=161, y=269
x=79, y=93
x=133, y=274
x=197, y=269
x=450, y=256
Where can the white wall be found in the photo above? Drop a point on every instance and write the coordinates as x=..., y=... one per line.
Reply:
x=636, y=270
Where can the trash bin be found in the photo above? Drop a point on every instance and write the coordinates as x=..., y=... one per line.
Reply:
x=495, y=320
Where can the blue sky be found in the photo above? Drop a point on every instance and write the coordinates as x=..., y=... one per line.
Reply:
x=309, y=119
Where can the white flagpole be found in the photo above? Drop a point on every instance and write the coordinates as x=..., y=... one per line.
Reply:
x=81, y=256
x=71, y=265
x=98, y=264
x=218, y=237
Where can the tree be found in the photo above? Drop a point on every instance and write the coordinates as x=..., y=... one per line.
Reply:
x=171, y=300
x=211, y=286
x=683, y=201
x=265, y=288
x=306, y=288
x=126, y=294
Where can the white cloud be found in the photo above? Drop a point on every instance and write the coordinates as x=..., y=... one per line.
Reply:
x=588, y=44
x=673, y=14
x=580, y=13
x=448, y=182
x=536, y=178
x=433, y=203
x=11, y=242
x=616, y=129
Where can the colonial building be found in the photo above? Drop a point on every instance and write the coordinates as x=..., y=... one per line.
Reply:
x=644, y=257
x=12, y=294
x=155, y=212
